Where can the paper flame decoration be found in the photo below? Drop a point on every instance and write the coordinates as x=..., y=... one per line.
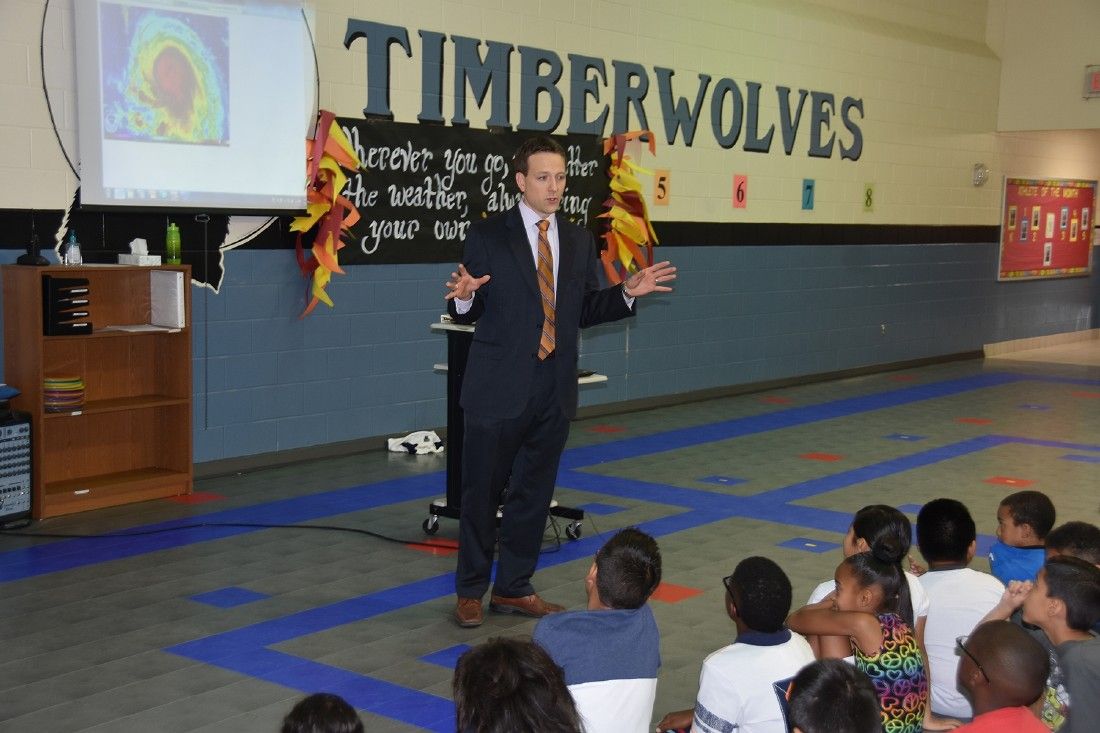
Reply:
x=326, y=153
x=630, y=236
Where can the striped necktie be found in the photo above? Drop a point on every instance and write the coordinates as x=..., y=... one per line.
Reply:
x=546, y=290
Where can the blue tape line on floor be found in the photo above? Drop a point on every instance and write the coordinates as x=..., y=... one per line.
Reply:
x=1081, y=459
x=601, y=509
x=446, y=657
x=69, y=554
x=753, y=424
x=245, y=650
x=722, y=480
x=229, y=597
x=807, y=544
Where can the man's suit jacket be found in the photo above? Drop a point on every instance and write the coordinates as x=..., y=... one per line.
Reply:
x=508, y=312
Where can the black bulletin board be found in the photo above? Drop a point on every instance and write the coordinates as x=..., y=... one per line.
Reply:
x=422, y=185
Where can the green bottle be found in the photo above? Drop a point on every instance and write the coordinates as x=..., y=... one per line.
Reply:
x=172, y=245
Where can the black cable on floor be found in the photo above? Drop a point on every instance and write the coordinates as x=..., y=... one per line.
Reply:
x=13, y=532
x=198, y=525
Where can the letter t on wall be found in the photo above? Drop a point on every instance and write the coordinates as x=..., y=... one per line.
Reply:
x=379, y=39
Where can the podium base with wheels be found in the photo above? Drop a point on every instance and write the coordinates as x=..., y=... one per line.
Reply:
x=459, y=338
x=440, y=508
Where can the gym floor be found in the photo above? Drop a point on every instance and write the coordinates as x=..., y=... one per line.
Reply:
x=195, y=622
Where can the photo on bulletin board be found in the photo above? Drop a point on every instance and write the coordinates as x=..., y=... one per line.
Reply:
x=1026, y=256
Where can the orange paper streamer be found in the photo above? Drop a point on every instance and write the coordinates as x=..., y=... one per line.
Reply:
x=326, y=155
x=630, y=237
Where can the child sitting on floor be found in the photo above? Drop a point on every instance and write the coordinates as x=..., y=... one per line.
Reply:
x=610, y=651
x=831, y=696
x=871, y=607
x=1076, y=539
x=740, y=685
x=1065, y=603
x=959, y=596
x=1023, y=521
x=1003, y=671
x=869, y=525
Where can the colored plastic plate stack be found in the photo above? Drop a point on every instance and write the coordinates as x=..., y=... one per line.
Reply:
x=63, y=394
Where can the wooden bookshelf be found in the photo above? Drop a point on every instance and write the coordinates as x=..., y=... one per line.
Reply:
x=131, y=440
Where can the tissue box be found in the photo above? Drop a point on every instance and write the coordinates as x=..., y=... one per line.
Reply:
x=128, y=259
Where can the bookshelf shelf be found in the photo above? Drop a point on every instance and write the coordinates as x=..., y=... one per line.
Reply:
x=131, y=440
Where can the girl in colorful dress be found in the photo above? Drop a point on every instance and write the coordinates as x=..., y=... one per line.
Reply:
x=871, y=606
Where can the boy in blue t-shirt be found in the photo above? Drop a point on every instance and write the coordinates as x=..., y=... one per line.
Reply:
x=1023, y=521
x=610, y=652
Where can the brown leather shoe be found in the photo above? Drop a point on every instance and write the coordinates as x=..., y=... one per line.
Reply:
x=530, y=605
x=468, y=612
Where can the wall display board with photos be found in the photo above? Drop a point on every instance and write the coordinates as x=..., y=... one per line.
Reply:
x=1046, y=228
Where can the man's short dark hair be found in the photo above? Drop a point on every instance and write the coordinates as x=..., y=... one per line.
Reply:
x=1077, y=539
x=945, y=530
x=512, y=686
x=322, y=712
x=832, y=696
x=628, y=569
x=1076, y=583
x=761, y=593
x=1033, y=508
x=533, y=145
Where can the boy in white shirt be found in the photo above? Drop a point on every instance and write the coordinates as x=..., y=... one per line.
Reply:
x=742, y=686
x=958, y=596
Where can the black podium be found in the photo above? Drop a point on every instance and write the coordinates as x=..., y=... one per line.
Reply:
x=459, y=339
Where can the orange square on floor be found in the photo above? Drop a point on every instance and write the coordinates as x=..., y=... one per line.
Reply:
x=902, y=378
x=1008, y=481
x=198, y=497
x=606, y=429
x=1087, y=395
x=776, y=400
x=670, y=593
x=974, y=420
x=442, y=548
x=821, y=456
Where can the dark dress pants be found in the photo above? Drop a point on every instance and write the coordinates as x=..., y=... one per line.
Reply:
x=529, y=448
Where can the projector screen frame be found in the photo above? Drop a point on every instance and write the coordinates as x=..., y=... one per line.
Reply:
x=222, y=203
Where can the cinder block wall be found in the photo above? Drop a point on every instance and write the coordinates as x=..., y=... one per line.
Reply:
x=268, y=381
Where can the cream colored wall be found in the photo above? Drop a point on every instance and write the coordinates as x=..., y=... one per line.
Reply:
x=1050, y=153
x=32, y=167
x=927, y=79
x=1044, y=48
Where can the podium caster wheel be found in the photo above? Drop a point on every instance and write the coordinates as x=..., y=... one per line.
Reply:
x=573, y=531
x=431, y=525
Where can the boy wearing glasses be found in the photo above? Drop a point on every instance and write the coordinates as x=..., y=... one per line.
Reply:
x=1003, y=670
x=741, y=684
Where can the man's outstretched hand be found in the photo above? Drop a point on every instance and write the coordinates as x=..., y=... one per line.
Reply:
x=463, y=285
x=649, y=280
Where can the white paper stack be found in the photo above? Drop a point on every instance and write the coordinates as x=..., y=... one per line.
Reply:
x=166, y=298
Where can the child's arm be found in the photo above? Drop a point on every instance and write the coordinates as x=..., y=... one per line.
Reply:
x=820, y=618
x=1011, y=599
x=829, y=647
x=679, y=720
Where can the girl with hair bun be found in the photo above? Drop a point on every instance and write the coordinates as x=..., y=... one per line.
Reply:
x=872, y=608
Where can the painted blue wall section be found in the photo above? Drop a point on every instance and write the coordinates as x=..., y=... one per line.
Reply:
x=265, y=381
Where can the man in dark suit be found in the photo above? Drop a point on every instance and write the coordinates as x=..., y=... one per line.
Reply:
x=534, y=286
